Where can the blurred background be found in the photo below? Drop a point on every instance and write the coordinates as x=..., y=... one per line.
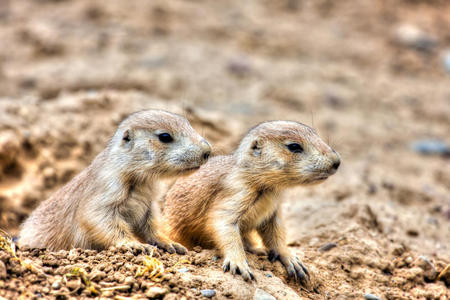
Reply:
x=372, y=76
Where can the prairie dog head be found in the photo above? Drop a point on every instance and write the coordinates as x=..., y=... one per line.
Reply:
x=286, y=153
x=159, y=143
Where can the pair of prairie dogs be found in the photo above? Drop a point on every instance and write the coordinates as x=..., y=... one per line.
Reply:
x=218, y=203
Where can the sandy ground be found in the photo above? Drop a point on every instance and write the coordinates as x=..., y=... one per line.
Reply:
x=70, y=71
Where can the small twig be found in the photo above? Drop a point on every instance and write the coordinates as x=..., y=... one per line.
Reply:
x=115, y=288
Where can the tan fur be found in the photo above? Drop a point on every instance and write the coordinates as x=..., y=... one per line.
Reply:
x=232, y=196
x=110, y=202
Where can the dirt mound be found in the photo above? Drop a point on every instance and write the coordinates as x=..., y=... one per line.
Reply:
x=119, y=272
x=346, y=265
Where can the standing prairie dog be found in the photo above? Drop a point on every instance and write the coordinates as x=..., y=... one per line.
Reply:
x=232, y=196
x=110, y=202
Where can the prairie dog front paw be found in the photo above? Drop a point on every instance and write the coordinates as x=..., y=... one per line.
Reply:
x=135, y=247
x=238, y=267
x=294, y=267
x=167, y=245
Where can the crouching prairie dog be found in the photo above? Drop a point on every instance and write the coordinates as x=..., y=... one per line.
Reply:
x=110, y=202
x=230, y=197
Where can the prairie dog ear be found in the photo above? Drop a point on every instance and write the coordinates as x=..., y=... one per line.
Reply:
x=127, y=138
x=256, y=148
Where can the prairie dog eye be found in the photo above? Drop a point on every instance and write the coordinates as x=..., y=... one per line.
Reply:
x=295, y=148
x=165, y=138
x=126, y=136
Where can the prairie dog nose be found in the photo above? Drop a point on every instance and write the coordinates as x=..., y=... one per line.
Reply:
x=206, y=149
x=206, y=155
x=335, y=162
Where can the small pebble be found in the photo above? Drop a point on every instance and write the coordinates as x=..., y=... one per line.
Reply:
x=101, y=267
x=327, y=247
x=183, y=270
x=155, y=292
x=74, y=285
x=239, y=67
x=167, y=276
x=123, y=249
x=129, y=256
x=129, y=280
x=108, y=294
x=72, y=255
x=430, y=273
x=262, y=295
x=208, y=293
x=56, y=285
x=97, y=276
x=371, y=297
x=431, y=147
x=412, y=36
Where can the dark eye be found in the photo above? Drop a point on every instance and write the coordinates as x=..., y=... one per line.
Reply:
x=295, y=148
x=126, y=136
x=165, y=138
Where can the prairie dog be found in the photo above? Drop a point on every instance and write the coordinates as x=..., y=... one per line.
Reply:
x=232, y=196
x=110, y=202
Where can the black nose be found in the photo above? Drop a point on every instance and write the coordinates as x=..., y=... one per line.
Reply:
x=336, y=164
x=206, y=155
